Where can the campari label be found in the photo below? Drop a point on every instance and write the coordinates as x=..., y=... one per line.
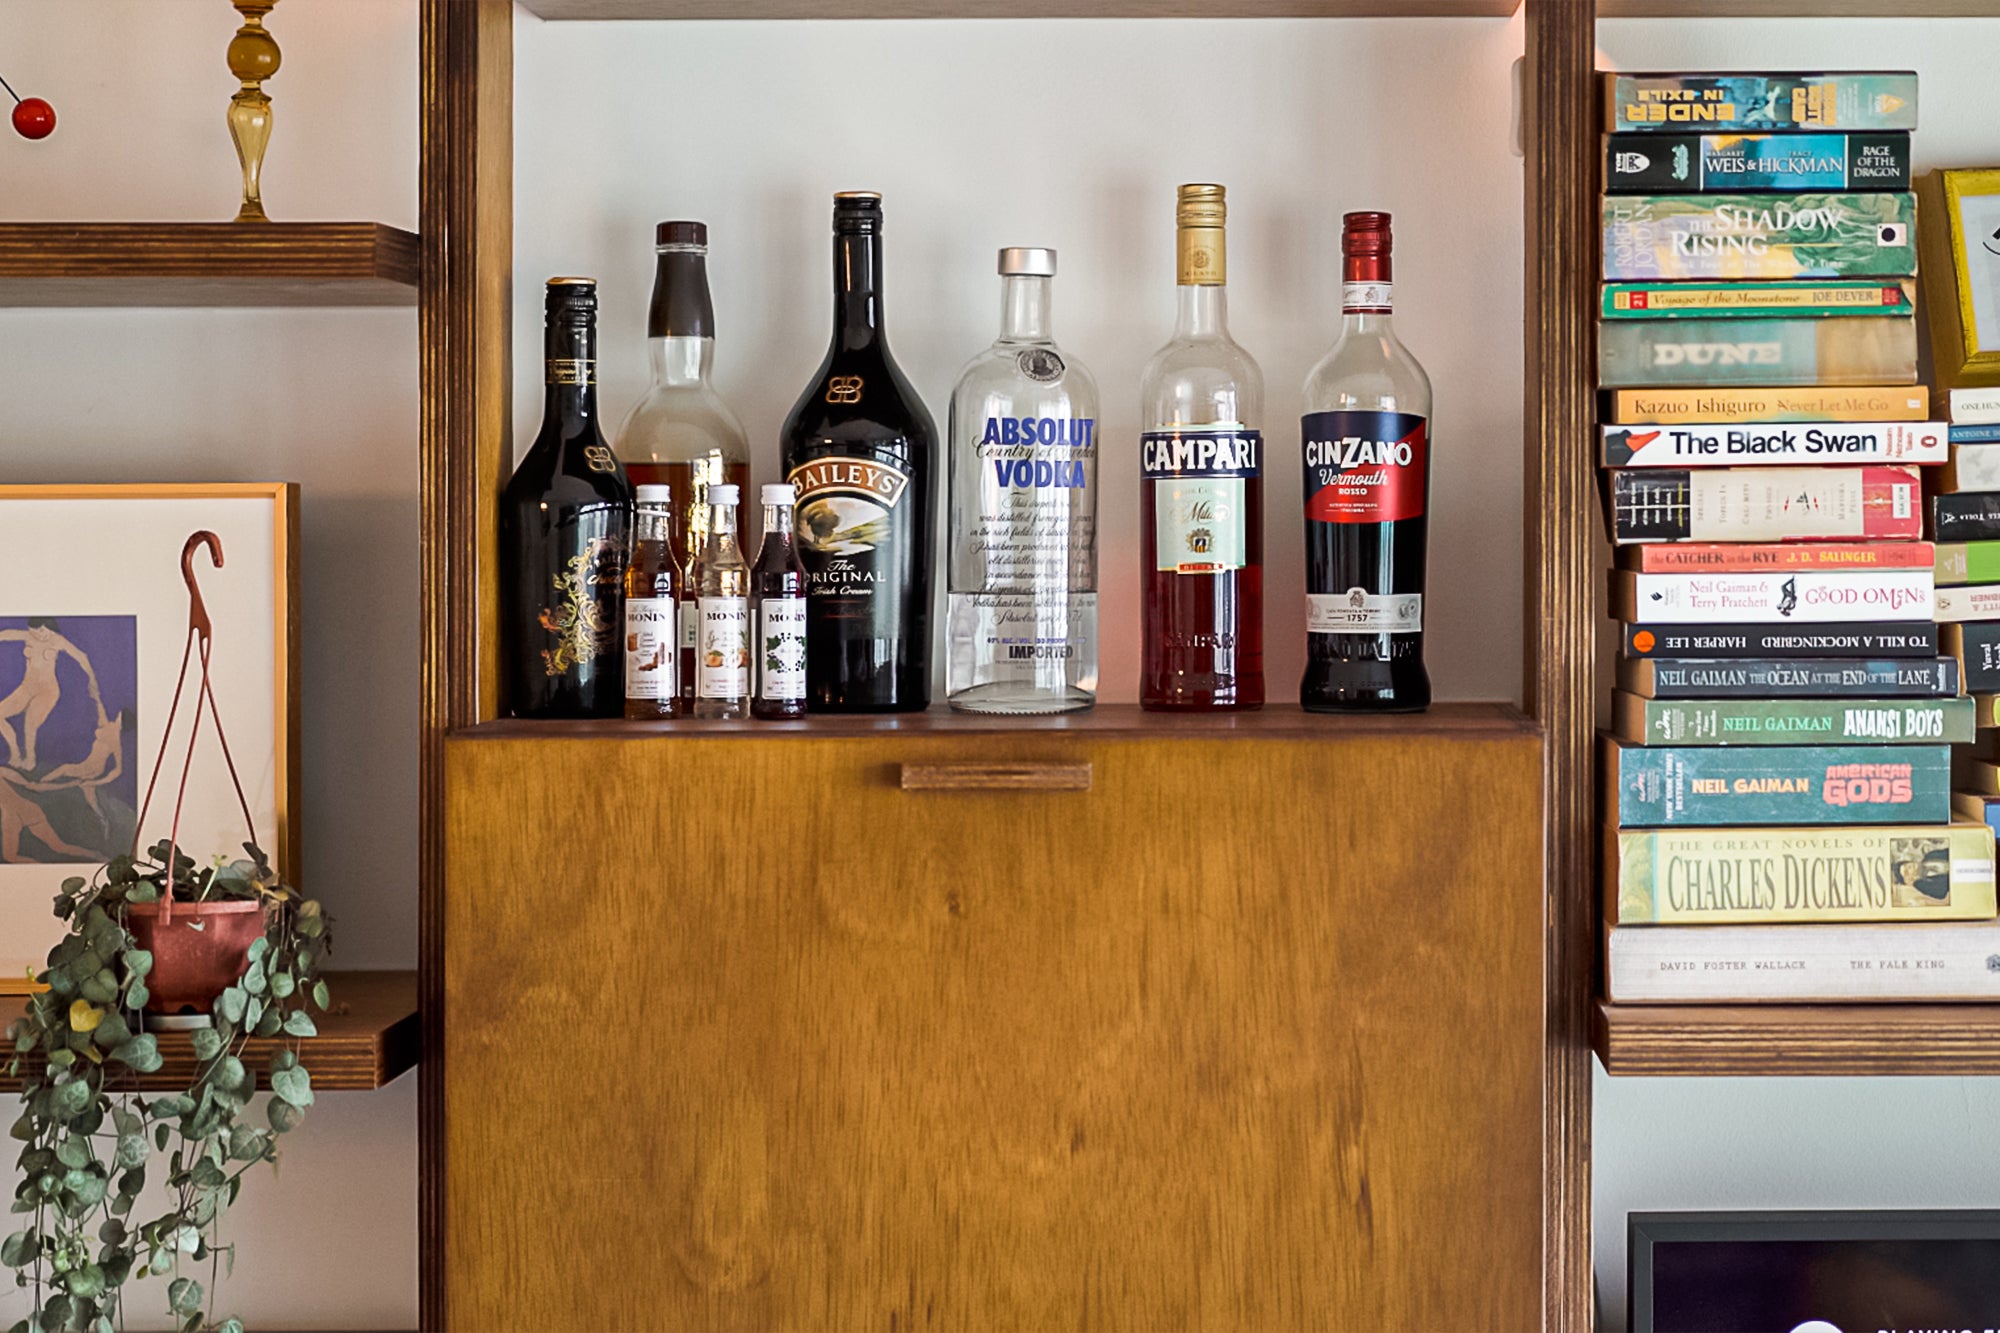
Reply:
x=1200, y=482
x=1365, y=467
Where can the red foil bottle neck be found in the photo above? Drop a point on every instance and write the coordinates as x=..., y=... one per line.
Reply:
x=1365, y=245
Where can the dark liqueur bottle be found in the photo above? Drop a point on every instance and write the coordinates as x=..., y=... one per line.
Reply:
x=861, y=451
x=565, y=528
x=779, y=583
x=1366, y=437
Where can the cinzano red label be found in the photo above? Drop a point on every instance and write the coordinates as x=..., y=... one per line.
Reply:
x=1365, y=467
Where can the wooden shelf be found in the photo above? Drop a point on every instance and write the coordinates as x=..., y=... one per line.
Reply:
x=1792, y=1039
x=1107, y=721
x=1015, y=9
x=368, y=1038
x=1745, y=9
x=132, y=264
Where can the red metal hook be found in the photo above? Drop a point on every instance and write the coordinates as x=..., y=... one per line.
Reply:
x=198, y=621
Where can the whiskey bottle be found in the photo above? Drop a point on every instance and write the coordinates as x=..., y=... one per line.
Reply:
x=565, y=519
x=1366, y=437
x=1201, y=505
x=779, y=582
x=652, y=599
x=861, y=450
x=1021, y=619
x=682, y=433
x=722, y=657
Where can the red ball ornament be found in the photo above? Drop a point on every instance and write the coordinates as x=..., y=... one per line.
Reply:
x=34, y=118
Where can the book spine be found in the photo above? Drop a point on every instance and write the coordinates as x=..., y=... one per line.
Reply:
x=1968, y=562
x=1980, y=809
x=1985, y=434
x=1974, y=602
x=1756, y=300
x=1803, y=596
x=1688, y=557
x=1764, y=504
x=1973, y=407
x=1971, y=467
x=1913, y=640
x=1716, y=786
x=1680, y=407
x=1753, y=964
x=1968, y=517
x=1637, y=163
x=1765, y=445
x=1755, y=103
x=1794, y=721
x=1975, y=647
x=1661, y=237
x=1788, y=678
x=1903, y=874
x=1757, y=351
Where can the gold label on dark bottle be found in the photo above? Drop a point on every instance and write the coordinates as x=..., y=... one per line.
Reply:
x=571, y=371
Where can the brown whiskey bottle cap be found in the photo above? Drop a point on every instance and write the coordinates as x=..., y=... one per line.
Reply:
x=681, y=233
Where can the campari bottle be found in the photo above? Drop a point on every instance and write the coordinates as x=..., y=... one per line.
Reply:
x=1201, y=505
x=1366, y=435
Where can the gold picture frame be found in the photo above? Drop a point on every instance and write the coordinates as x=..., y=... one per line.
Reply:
x=107, y=617
x=1958, y=229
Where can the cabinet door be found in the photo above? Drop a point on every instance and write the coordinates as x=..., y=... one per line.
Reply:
x=744, y=1034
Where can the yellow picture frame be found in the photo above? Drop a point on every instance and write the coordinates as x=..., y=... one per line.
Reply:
x=264, y=519
x=1965, y=319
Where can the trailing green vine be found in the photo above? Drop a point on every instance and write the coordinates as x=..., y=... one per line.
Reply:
x=89, y=1141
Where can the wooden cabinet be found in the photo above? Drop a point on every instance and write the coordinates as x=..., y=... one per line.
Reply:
x=746, y=1034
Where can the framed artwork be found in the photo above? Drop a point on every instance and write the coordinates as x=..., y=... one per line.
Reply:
x=93, y=623
x=1962, y=274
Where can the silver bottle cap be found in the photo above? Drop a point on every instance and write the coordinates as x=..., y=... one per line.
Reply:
x=721, y=495
x=780, y=493
x=656, y=495
x=1027, y=261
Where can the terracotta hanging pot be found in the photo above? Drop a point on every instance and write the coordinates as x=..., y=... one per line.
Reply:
x=199, y=950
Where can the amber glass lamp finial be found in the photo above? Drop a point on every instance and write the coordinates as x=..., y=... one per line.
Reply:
x=253, y=58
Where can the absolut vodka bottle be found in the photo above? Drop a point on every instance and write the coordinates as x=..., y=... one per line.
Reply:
x=1022, y=613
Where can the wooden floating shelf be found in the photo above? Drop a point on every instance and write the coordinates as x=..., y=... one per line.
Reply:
x=133, y=264
x=1015, y=9
x=1747, y=9
x=1791, y=1039
x=1471, y=721
x=367, y=1039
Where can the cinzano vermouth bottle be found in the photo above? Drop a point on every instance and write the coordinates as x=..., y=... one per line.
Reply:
x=1021, y=632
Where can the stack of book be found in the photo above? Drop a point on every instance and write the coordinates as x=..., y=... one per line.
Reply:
x=1778, y=774
x=1965, y=523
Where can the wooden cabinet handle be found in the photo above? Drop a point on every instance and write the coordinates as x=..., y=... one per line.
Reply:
x=1045, y=776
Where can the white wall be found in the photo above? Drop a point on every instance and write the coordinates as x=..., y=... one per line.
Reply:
x=1795, y=1143
x=326, y=398
x=1072, y=134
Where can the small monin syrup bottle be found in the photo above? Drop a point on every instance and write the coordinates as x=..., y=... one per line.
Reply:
x=652, y=592
x=780, y=586
x=722, y=653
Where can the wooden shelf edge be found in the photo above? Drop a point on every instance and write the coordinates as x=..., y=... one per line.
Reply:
x=1899, y=9
x=1444, y=721
x=1768, y=1040
x=226, y=264
x=566, y=10
x=369, y=1039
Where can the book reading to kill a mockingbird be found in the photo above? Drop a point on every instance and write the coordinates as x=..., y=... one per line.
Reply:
x=1803, y=403
x=1765, y=504
x=1776, y=444
x=1940, y=961
x=1722, y=786
x=1746, y=678
x=1785, y=875
x=1638, y=720
x=1875, y=639
x=1742, y=557
x=1801, y=596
